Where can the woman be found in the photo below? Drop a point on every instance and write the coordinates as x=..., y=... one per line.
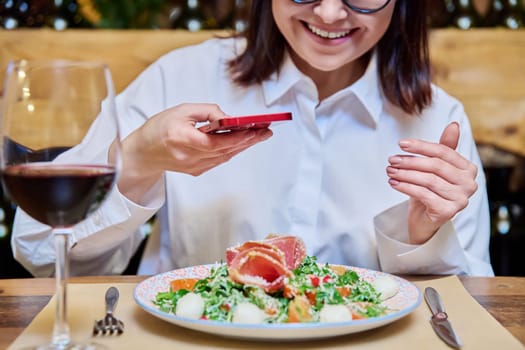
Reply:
x=355, y=75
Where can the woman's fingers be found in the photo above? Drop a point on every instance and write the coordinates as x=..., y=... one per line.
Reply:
x=213, y=145
x=197, y=112
x=438, y=180
x=211, y=163
x=450, y=136
x=222, y=146
x=429, y=187
x=437, y=208
x=198, y=153
x=437, y=166
x=434, y=150
x=229, y=141
x=428, y=181
x=170, y=141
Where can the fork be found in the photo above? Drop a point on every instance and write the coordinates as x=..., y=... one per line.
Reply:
x=109, y=324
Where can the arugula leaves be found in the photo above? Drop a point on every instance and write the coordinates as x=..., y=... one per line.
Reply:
x=319, y=283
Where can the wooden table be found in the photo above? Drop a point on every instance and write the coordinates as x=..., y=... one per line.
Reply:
x=22, y=299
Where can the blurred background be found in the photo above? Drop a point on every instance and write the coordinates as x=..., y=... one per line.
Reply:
x=219, y=14
x=504, y=168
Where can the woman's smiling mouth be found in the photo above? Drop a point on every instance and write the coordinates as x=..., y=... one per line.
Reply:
x=326, y=34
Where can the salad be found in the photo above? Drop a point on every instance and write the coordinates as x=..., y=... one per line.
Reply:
x=311, y=292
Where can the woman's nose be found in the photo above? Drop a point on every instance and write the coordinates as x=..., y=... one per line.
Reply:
x=331, y=11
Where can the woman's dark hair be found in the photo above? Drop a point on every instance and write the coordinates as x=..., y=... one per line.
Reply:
x=402, y=53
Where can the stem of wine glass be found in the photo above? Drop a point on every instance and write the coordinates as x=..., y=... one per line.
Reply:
x=61, y=336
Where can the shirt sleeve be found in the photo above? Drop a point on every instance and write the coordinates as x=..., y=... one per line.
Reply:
x=105, y=242
x=102, y=244
x=444, y=253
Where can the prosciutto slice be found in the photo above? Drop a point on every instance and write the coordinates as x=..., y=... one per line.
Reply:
x=293, y=248
x=265, y=263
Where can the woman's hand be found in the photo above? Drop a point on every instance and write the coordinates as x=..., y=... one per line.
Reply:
x=439, y=183
x=170, y=141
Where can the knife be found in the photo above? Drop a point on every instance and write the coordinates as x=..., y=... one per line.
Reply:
x=439, y=319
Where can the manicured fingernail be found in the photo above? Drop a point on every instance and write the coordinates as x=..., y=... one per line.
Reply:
x=395, y=160
x=391, y=170
x=265, y=134
x=393, y=182
x=404, y=143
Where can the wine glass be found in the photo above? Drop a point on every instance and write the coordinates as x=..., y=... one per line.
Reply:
x=49, y=107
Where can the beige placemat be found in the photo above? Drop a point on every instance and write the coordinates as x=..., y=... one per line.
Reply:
x=476, y=327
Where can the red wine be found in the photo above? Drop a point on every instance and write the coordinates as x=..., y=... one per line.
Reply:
x=58, y=195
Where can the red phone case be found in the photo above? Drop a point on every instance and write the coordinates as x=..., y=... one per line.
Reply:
x=245, y=122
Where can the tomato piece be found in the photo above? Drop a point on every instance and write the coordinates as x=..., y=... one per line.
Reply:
x=183, y=283
x=299, y=310
x=314, y=280
x=357, y=316
x=311, y=295
x=344, y=291
x=289, y=292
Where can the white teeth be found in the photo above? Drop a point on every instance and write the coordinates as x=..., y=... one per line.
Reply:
x=327, y=35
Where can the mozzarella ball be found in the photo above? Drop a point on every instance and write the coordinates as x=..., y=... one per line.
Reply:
x=248, y=313
x=191, y=306
x=386, y=285
x=335, y=313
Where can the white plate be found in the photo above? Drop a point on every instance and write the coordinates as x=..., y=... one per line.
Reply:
x=403, y=303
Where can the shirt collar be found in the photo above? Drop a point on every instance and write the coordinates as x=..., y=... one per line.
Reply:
x=281, y=82
x=366, y=89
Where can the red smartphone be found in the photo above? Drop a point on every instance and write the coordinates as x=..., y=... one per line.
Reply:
x=245, y=122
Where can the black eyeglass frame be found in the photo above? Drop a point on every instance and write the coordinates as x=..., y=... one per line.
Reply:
x=352, y=7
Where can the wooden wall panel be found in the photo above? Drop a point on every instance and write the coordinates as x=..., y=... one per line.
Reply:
x=127, y=52
x=485, y=69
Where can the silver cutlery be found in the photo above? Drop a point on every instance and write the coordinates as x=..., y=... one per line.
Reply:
x=439, y=319
x=109, y=324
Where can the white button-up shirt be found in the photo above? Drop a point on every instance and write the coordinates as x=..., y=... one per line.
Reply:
x=321, y=177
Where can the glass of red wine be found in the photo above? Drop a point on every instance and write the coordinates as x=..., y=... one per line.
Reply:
x=49, y=109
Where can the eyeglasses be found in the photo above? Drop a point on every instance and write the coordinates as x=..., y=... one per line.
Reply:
x=360, y=6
